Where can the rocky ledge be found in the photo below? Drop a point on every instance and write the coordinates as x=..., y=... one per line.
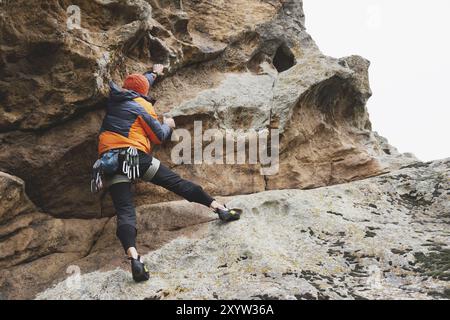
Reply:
x=380, y=238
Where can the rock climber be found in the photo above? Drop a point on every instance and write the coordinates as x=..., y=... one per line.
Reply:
x=129, y=129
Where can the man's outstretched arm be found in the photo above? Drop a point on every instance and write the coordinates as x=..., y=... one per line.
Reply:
x=157, y=132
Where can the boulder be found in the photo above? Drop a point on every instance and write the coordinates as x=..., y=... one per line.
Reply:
x=35, y=248
x=380, y=238
x=232, y=66
x=228, y=65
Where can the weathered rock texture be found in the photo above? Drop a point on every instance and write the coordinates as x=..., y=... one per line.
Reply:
x=230, y=65
x=224, y=62
x=34, y=246
x=380, y=238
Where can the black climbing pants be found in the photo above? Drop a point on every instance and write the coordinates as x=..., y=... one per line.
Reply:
x=122, y=197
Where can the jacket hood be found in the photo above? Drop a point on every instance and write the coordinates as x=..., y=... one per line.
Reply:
x=117, y=93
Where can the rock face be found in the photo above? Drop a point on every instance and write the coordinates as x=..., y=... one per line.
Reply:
x=229, y=65
x=381, y=238
x=34, y=247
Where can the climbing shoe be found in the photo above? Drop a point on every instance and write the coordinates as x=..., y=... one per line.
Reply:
x=228, y=215
x=139, y=270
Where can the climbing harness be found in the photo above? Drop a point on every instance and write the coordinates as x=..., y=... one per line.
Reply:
x=108, y=165
x=130, y=166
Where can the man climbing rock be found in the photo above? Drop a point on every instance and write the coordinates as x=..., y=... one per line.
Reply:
x=128, y=131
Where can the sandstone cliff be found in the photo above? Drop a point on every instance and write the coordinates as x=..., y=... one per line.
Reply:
x=233, y=66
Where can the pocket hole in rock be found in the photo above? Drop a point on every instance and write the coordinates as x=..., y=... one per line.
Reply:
x=284, y=58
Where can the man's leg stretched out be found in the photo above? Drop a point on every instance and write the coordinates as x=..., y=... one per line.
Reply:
x=190, y=191
x=160, y=175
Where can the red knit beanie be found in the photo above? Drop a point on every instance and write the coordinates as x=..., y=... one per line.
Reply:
x=137, y=83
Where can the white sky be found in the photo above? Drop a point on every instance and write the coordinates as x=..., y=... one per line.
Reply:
x=408, y=44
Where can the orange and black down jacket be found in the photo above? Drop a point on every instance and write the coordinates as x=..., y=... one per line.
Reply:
x=130, y=121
